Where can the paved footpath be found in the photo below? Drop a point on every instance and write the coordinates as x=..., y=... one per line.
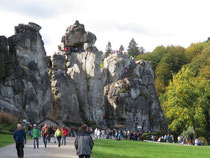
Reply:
x=52, y=150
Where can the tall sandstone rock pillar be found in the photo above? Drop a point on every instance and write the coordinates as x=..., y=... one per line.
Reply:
x=27, y=83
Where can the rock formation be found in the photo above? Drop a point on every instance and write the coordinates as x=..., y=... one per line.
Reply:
x=82, y=69
x=25, y=86
x=71, y=87
x=77, y=37
x=65, y=105
x=130, y=96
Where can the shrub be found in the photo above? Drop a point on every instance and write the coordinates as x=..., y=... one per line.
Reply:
x=122, y=90
x=6, y=118
x=102, y=64
x=158, y=133
x=147, y=136
x=188, y=133
x=203, y=140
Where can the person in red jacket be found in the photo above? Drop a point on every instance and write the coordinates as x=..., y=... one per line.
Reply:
x=64, y=130
x=44, y=135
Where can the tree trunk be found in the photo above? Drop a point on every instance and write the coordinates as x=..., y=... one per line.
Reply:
x=194, y=134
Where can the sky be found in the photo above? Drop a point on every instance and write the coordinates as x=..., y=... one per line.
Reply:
x=150, y=22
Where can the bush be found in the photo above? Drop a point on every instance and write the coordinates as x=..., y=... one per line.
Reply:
x=188, y=133
x=122, y=90
x=203, y=140
x=158, y=133
x=8, y=119
x=102, y=64
x=147, y=136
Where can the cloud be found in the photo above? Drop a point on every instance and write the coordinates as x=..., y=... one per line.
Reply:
x=149, y=22
x=146, y=31
x=42, y=9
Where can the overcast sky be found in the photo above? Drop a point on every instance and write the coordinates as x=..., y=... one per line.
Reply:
x=149, y=22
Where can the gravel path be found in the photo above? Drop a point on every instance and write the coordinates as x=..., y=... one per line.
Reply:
x=52, y=150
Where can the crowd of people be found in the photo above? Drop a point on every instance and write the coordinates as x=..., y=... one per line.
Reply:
x=118, y=134
x=83, y=142
x=83, y=137
x=48, y=132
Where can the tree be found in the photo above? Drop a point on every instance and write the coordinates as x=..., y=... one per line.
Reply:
x=133, y=49
x=185, y=100
x=121, y=49
x=141, y=50
x=163, y=76
x=108, y=49
x=155, y=56
x=194, y=49
x=175, y=58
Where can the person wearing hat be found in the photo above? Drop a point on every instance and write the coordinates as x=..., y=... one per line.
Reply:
x=35, y=134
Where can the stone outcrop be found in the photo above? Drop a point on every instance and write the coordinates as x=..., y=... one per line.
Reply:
x=25, y=89
x=130, y=96
x=77, y=37
x=84, y=69
x=65, y=105
x=71, y=86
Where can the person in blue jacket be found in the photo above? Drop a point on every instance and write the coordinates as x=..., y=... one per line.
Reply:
x=20, y=137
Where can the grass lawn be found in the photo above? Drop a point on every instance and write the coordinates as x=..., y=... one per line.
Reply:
x=132, y=149
x=6, y=139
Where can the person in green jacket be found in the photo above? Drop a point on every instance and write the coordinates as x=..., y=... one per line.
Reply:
x=59, y=134
x=35, y=134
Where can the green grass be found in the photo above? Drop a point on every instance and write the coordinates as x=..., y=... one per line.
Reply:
x=7, y=129
x=6, y=139
x=132, y=149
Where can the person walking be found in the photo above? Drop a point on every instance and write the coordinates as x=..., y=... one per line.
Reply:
x=98, y=134
x=84, y=142
x=64, y=130
x=54, y=129
x=59, y=134
x=20, y=137
x=35, y=134
x=49, y=133
x=29, y=130
x=44, y=135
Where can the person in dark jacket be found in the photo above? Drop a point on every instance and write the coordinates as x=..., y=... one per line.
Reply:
x=20, y=137
x=84, y=142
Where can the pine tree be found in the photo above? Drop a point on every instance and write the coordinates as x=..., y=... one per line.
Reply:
x=108, y=49
x=133, y=49
x=121, y=49
x=141, y=50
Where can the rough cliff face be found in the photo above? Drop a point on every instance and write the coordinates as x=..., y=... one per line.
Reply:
x=82, y=70
x=25, y=89
x=65, y=105
x=71, y=87
x=130, y=95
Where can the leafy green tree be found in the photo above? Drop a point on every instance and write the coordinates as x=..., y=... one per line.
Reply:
x=202, y=59
x=155, y=56
x=133, y=49
x=194, y=49
x=163, y=75
x=185, y=100
x=160, y=87
x=108, y=49
x=175, y=58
